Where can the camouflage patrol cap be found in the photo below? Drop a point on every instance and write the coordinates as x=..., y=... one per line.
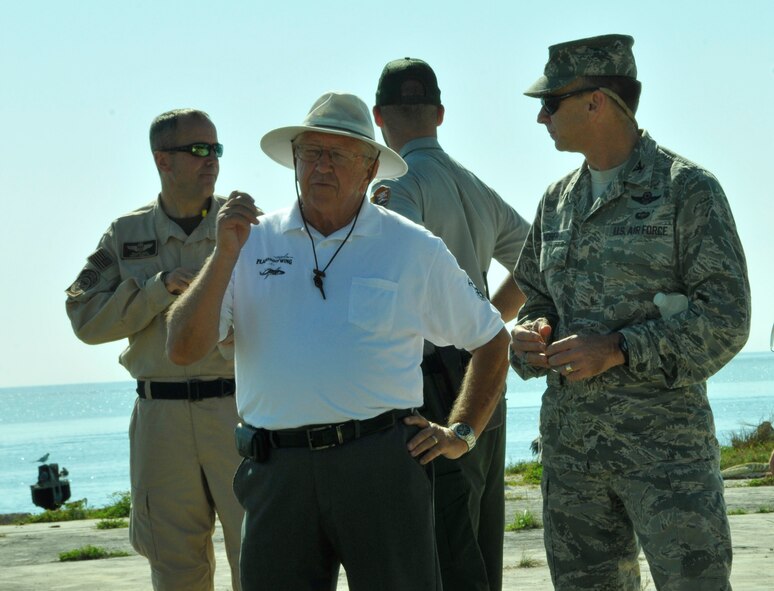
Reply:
x=606, y=55
x=390, y=90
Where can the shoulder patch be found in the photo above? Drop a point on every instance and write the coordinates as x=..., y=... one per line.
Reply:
x=381, y=196
x=139, y=250
x=100, y=259
x=86, y=280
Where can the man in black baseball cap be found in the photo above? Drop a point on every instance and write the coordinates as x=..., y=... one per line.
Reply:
x=423, y=89
x=477, y=226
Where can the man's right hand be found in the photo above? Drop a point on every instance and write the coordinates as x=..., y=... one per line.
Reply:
x=177, y=281
x=235, y=218
x=529, y=342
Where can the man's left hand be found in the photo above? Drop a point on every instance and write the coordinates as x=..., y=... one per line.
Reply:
x=433, y=441
x=583, y=357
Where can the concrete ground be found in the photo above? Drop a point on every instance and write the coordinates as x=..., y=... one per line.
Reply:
x=29, y=553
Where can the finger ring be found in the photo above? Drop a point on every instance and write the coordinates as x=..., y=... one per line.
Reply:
x=435, y=439
x=568, y=368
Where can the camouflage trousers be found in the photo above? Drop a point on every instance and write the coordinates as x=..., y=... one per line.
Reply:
x=596, y=522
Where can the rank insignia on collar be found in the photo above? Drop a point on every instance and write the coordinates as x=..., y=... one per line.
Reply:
x=646, y=198
x=381, y=196
x=639, y=167
x=139, y=250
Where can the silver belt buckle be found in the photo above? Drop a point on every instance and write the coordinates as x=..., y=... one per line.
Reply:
x=313, y=447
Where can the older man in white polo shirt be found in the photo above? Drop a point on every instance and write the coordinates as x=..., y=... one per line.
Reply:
x=330, y=301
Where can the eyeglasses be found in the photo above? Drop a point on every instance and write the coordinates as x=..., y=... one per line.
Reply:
x=199, y=149
x=339, y=157
x=552, y=102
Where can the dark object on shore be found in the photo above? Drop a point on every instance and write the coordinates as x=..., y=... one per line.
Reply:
x=52, y=488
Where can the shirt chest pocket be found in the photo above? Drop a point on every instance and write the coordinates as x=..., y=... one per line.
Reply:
x=372, y=303
x=553, y=256
x=553, y=265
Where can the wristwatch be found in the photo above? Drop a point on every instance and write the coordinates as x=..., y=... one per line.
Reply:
x=464, y=432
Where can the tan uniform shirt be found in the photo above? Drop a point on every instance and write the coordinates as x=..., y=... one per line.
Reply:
x=474, y=222
x=120, y=292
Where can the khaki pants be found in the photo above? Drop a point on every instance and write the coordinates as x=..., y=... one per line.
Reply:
x=182, y=463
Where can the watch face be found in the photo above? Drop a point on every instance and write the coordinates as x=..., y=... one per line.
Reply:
x=463, y=430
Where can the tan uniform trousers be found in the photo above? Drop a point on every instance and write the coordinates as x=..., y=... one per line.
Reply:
x=182, y=462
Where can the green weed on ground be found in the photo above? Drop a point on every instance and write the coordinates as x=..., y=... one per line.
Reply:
x=112, y=523
x=767, y=481
x=75, y=510
x=89, y=553
x=751, y=444
x=524, y=520
x=756, y=453
x=528, y=472
x=763, y=509
x=528, y=561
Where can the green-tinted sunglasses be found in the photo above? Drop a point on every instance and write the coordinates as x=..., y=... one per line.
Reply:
x=199, y=149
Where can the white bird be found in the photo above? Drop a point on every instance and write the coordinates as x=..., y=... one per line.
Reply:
x=43, y=459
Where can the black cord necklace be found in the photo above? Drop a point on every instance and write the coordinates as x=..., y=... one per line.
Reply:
x=319, y=275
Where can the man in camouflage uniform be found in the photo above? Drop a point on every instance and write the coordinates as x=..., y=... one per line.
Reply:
x=629, y=449
x=181, y=434
x=476, y=225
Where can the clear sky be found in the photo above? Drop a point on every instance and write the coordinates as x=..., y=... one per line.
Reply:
x=81, y=82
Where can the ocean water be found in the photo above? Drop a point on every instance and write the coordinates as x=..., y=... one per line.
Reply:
x=84, y=427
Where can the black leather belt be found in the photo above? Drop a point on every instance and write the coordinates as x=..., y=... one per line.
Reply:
x=324, y=436
x=192, y=390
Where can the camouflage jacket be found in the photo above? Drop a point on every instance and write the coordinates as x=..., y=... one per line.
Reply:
x=594, y=266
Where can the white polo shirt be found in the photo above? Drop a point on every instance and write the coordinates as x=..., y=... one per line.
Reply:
x=302, y=359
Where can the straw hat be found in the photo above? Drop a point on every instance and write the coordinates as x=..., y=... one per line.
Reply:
x=337, y=114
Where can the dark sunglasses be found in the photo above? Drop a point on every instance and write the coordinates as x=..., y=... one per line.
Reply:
x=552, y=102
x=199, y=149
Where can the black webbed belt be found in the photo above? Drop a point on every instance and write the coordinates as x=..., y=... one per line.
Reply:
x=191, y=390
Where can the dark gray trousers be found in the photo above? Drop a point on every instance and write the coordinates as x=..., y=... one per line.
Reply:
x=469, y=495
x=365, y=505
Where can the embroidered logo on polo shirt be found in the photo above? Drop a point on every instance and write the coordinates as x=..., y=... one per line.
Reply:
x=139, y=250
x=480, y=295
x=266, y=272
x=273, y=265
x=381, y=196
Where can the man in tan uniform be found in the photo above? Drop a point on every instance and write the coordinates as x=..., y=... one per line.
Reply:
x=182, y=453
